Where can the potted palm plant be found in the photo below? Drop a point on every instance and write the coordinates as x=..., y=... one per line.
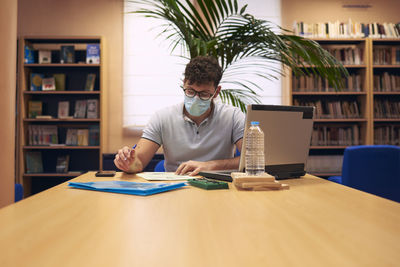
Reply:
x=222, y=29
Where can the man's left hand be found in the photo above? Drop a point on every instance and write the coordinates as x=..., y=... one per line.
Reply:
x=193, y=167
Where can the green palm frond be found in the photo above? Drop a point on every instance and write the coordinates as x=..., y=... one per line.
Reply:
x=222, y=29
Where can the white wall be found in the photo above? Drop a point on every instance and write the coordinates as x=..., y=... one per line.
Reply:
x=152, y=77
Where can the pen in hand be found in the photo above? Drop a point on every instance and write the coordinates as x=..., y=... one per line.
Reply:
x=130, y=151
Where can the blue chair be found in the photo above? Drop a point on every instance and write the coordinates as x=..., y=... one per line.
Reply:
x=160, y=166
x=19, y=192
x=237, y=153
x=373, y=169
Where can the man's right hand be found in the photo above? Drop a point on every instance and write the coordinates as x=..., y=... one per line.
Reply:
x=125, y=158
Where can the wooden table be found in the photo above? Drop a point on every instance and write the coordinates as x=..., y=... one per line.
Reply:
x=315, y=223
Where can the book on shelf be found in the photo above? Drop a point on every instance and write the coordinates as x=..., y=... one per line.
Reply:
x=387, y=108
x=33, y=160
x=325, y=109
x=63, y=109
x=34, y=108
x=44, y=56
x=42, y=134
x=62, y=164
x=36, y=81
x=92, y=109
x=48, y=84
x=77, y=137
x=346, y=54
x=314, y=83
x=60, y=81
x=346, y=29
x=80, y=109
x=396, y=55
x=49, y=134
x=335, y=135
x=93, y=53
x=387, y=82
x=83, y=137
x=29, y=56
x=386, y=55
x=44, y=117
x=67, y=54
x=387, y=135
x=94, y=135
x=71, y=137
x=90, y=81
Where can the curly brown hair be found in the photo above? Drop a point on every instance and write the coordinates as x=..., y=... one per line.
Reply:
x=203, y=70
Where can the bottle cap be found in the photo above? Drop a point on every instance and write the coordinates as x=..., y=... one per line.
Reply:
x=254, y=123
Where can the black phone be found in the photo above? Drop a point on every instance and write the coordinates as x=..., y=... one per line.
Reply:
x=105, y=173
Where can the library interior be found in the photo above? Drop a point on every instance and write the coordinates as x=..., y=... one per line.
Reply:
x=84, y=81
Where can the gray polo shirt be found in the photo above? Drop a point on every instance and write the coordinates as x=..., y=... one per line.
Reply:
x=183, y=140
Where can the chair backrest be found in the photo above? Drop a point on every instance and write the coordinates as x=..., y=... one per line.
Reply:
x=19, y=192
x=373, y=169
x=160, y=166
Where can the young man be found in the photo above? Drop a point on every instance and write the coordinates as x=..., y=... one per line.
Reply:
x=196, y=135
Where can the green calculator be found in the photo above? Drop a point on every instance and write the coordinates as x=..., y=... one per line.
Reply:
x=208, y=184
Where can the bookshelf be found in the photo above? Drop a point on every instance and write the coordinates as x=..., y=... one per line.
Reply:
x=342, y=117
x=55, y=143
x=365, y=112
x=385, y=78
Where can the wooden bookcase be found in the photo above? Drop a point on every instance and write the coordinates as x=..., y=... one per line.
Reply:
x=83, y=156
x=385, y=91
x=342, y=117
x=365, y=127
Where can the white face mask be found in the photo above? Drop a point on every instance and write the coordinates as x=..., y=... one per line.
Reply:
x=195, y=106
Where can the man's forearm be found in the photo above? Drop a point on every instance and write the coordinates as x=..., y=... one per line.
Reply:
x=224, y=164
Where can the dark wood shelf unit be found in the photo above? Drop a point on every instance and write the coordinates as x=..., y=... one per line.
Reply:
x=81, y=158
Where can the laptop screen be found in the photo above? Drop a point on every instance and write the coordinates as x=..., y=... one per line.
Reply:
x=287, y=137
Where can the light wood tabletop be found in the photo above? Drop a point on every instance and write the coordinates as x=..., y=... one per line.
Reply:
x=314, y=223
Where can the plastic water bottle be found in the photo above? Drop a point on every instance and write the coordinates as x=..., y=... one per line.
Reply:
x=255, y=164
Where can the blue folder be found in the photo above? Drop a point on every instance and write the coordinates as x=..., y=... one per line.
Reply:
x=123, y=187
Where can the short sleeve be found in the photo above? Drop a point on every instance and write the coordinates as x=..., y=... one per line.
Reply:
x=153, y=130
x=238, y=125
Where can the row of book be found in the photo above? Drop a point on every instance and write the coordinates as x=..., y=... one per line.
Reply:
x=324, y=164
x=335, y=136
x=82, y=137
x=83, y=109
x=66, y=54
x=34, y=162
x=43, y=135
x=314, y=83
x=347, y=29
x=43, y=82
x=387, y=135
x=347, y=54
x=332, y=109
x=387, y=82
x=387, y=108
x=386, y=55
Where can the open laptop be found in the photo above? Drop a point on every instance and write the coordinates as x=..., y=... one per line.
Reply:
x=287, y=137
